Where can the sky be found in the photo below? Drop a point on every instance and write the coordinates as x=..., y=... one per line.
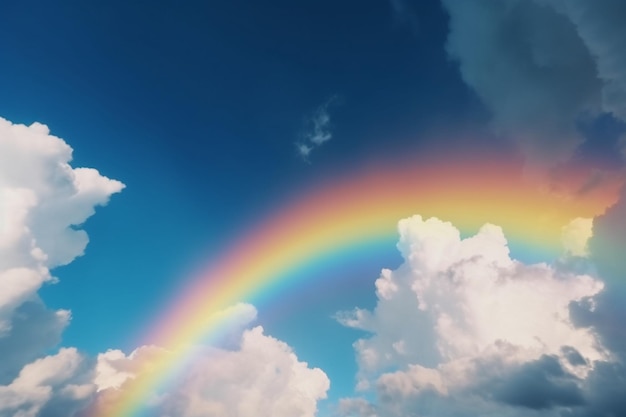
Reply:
x=317, y=208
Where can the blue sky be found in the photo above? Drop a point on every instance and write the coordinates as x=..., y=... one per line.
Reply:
x=198, y=108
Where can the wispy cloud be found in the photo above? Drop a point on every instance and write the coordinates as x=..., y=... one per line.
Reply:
x=317, y=129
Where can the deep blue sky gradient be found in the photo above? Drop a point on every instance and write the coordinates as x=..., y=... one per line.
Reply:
x=196, y=106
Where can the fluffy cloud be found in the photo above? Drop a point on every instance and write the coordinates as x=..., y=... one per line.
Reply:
x=541, y=65
x=317, y=130
x=260, y=377
x=460, y=329
x=56, y=385
x=43, y=202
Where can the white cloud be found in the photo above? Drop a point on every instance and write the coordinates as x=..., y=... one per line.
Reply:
x=56, y=385
x=460, y=318
x=43, y=203
x=263, y=378
x=114, y=367
x=260, y=377
x=317, y=130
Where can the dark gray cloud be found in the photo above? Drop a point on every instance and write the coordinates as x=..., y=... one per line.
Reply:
x=540, y=65
x=573, y=356
x=540, y=384
x=606, y=315
x=604, y=390
x=541, y=388
x=600, y=25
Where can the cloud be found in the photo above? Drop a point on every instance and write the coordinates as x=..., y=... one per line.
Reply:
x=317, y=129
x=606, y=252
x=461, y=329
x=260, y=377
x=33, y=329
x=45, y=200
x=356, y=407
x=539, y=384
x=43, y=203
x=56, y=385
x=575, y=236
x=540, y=387
x=605, y=313
x=114, y=367
x=541, y=65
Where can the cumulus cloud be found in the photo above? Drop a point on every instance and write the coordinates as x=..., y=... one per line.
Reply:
x=43, y=203
x=541, y=65
x=260, y=377
x=317, y=130
x=462, y=329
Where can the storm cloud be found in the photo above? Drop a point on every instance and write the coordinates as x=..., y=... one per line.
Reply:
x=542, y=66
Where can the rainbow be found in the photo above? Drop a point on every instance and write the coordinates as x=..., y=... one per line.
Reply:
x=346, y=217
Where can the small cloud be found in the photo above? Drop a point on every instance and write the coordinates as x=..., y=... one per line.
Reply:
x=576, y=235
x=304, y=150
x=317, y=130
